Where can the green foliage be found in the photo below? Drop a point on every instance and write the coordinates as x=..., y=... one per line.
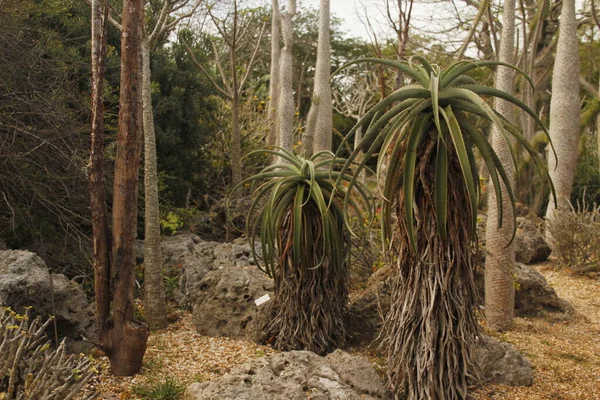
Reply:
x=302, y=194
x=186, y=115
x=297, y=214
x=441, y=100
x=171, y=224
x=167, y=389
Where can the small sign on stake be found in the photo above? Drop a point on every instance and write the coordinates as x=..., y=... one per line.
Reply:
x=262, y=300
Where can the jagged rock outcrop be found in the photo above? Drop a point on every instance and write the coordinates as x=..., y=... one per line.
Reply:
x=534, y=296
x=225, y=303
x=295, y=375
x=501, y=363
x=25, y=282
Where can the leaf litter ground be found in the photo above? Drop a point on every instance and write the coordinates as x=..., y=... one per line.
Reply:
x=565, y=354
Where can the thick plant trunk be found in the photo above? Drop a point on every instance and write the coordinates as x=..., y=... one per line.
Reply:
x=564, y=110
x=127, y=339
x=500, y=259
x=286, y=96
x=310, y=301
x=431, y=328
x=321, y=110
x=154, y=302
x=275, y=74
x=100, y=227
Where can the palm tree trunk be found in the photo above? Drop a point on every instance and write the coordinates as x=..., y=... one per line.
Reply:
x=155, y=303
x=500, y=259
x=564, y=111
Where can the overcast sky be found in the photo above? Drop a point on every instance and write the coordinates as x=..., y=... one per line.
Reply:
x=429, y=15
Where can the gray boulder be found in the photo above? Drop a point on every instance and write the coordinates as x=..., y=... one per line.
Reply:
x=530, y=245
x=534, y=296
x=25, y=282
x=225, y=303
x=191, y=258
x=295, y=375
x=501, y=363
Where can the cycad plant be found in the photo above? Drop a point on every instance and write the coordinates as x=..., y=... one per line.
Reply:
x=297, y=214
x=428, y=131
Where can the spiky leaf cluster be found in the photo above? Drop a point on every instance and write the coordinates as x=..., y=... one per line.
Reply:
x=312, y=192
x=444, y=100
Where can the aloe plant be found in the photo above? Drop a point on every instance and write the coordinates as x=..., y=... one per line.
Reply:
x=297, y=214
x=429, y=132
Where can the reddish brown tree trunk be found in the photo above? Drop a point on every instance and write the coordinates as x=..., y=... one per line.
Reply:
x=120, y=337
x=128, y=340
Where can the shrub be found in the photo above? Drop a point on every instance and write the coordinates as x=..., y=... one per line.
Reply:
x=574, y=236
x=169, y=389
x=30, y=369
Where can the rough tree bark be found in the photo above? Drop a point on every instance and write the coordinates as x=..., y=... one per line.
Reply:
x=319, y=121
x=499, y=281
x=275, y=74
x=564, y=110
x=154, y=302
x=128, y=339
x=100, y=227
x=286, y=94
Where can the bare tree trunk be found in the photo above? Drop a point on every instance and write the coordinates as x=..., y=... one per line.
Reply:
x=236, y=142
x=564, y=110
x=286, y=95
x=274, y=88
x=321, y=107
x=154, y=302
x=128, y=338
x=499, y=263
x=100, y=227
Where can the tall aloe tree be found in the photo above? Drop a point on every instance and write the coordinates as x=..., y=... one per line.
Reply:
x=429, y=131
x=297, y=214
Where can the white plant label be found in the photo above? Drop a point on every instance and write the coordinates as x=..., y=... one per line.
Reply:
x=262, y=300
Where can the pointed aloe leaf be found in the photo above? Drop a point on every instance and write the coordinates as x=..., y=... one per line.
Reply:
x=441, y=185
x=463, y=158
x=416, y=136
x=405, y=69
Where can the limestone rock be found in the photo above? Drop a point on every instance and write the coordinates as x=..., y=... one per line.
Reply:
x=534, y=296
x=501, y=363
x=25, y=281
x=225, y=303
x=530, y=245
x=295, y=375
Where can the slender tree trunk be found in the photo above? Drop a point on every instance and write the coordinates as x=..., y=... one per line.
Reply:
x=100, y=227
x=128, y=338
x=286, y=95
x=321, y=108
x=275, y=74
x=236, y=142
x=564, y=110
x=155, y=303
x=499, y=264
